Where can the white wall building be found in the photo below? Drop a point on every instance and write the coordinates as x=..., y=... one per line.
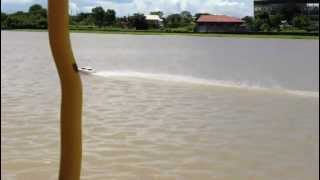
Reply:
x=154, y=20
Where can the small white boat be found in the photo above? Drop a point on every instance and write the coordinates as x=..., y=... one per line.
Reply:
x=87, y=70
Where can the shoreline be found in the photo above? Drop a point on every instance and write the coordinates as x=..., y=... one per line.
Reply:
x=226, y=35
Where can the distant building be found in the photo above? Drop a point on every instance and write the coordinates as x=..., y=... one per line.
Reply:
x=304, y=7
x=218, y=23
x=154, y=21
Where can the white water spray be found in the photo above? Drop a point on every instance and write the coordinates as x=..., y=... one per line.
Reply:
x=199, y=81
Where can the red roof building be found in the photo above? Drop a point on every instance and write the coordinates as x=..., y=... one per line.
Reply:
x=218, y=23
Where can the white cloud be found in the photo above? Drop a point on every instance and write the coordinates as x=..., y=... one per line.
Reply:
x=73, y=8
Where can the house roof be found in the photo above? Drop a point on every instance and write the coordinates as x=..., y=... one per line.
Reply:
x=153, y=18
x=219, y=18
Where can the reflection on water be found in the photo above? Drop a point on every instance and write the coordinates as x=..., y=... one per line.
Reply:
x=143, y=128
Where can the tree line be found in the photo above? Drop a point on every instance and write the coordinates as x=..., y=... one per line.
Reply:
x=104, y=18
x=36, y=18
x=287, y=18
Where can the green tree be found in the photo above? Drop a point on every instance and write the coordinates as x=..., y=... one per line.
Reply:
x=37, y=10
x=42, y=23
x=35, y=18
x=122, y=22
x=301, y=22
x=275, y=21
x=81, y=16
x=138, y=21
x=18, y=20
x=257, y=23
x=87, y=21
x=262, y=21
x=72, y=20
x=83, y=19
x=264, y=16
x=174, y=21
x=249, y=22
x=186, y=17
x=4, y=18
x=110, y=17
x=289, y=11
x=38, y=17
x=98, y=15
x=265, y=27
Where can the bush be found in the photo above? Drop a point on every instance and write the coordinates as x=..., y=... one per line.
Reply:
x=138, y=21
x=313, y=27
x=249, y=23
x=275, y=21
x=173, y=21
x=4, y=18
x=301, y=22
x=98, y=15
x=265, y=27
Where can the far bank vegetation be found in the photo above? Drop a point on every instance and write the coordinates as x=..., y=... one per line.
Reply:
x=107, y=20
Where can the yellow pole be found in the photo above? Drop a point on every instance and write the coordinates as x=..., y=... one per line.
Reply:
x=71, y=105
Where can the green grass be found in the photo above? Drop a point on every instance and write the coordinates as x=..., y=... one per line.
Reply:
x=150, y=32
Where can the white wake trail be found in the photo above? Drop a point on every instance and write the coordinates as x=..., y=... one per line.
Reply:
x=194, y=80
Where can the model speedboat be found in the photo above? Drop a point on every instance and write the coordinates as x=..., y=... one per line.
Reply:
x=87, y=70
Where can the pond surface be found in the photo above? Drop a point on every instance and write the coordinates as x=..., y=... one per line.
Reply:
x=165, y=107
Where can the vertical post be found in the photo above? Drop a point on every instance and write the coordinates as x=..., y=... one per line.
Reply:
x=71, y=90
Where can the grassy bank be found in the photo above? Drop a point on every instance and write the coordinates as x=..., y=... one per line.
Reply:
x=150, y=32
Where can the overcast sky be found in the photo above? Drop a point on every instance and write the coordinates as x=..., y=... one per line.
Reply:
x=237, y=8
